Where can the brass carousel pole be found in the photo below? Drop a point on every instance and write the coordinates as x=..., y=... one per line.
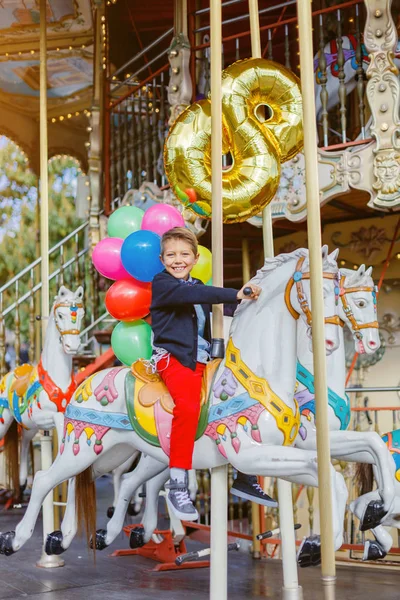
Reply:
x=316, y=282
x=46, y=440
x=291, y=589
x=219, y=479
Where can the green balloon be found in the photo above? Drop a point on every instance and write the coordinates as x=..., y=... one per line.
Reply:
x=124, y=221
x=131, y=341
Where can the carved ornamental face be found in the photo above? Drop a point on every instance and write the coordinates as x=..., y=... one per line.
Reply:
x=387, y=173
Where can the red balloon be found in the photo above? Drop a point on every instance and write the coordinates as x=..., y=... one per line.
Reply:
x=128, y=299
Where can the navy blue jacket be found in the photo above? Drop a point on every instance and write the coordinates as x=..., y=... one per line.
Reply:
x=173, y=316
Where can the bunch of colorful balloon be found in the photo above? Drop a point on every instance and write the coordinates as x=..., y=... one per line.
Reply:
x=131, y=257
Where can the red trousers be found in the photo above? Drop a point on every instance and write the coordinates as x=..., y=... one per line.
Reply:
x=184, y=385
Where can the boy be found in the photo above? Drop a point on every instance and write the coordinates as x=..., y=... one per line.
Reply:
x=180, y=313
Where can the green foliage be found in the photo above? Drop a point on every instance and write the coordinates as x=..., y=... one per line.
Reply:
x=19, y=236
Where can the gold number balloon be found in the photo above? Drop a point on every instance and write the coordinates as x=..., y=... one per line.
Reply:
x=262, y=128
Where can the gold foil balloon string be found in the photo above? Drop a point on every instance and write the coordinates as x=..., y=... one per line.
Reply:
x=262, y=128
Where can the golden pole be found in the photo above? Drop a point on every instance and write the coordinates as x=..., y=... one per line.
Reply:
x=245, y=260
x=219, y=479
x=255, y=508
x=44, y=177
x=268, y=234
x=268, y=240
x=291, y=588
x=45, y=441
x=316, y=282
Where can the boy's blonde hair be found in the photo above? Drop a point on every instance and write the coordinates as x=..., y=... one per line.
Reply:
x=180, y=233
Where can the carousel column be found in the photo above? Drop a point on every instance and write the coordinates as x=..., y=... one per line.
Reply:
x=219, y=479
x=291, y=589
x=95, y=128
x=45, y=441
x=316, y=283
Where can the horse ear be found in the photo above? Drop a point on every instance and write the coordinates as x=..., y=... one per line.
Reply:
x=79, y=293
x=333, y=255
x=62, y=292
x=325, y=252
x=368, y=272
x=361, y=270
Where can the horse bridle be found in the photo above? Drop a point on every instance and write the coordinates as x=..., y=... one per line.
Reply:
x=74, y=309
x=340, y=292
x=349, y=313
x=297, y=279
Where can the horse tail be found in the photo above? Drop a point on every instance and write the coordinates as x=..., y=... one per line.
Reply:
x=86, y=505
x=11, y=454
x=364, y=478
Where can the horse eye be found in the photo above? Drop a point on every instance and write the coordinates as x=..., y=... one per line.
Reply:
x=361, y=304
x=60, y=316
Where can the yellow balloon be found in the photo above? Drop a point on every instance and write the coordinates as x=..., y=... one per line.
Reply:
x=258, y=139
x=203, y=269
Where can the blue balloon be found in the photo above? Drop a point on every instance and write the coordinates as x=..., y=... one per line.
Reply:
x=140, y=255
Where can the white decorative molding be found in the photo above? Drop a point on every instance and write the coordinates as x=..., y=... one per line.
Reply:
x=383, y=93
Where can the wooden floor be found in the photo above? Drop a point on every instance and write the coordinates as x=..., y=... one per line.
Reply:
x=131, y=578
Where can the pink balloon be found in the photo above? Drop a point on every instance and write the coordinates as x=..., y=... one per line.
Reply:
x=106, y=258
x=162, y=217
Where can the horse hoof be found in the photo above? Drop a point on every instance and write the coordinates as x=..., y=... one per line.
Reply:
x=136, y=539
x=100, y=539
x=373, y=515
x=6, y=540
x=110, y=511
x=132, y=512
x=373, y=550
x=53, y=543
x=309, y=554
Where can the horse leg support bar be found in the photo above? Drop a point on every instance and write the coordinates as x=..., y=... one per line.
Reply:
x=182, y=558
x=272, y=532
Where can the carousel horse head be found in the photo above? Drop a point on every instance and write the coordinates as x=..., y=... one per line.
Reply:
x=298, y=296
x=295, y=283
x=357, y=308
x=68, y=313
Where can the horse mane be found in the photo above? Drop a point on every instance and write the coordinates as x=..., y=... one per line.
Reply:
x=272, y=263
x=277, y=261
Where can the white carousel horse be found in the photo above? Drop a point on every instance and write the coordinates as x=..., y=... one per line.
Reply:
x=30, y=396
x=356, y=308
x=253, y=430
x=378, y=548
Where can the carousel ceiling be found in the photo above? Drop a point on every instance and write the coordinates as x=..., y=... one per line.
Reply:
x=70, y=54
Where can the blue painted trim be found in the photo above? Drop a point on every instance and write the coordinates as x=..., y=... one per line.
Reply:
x=340, y=406
x=230, y=407
x=96, y=417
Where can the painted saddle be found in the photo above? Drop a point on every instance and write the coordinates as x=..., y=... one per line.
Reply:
x=150, y=405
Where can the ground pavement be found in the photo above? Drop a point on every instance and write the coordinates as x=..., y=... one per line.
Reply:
x=131, y=578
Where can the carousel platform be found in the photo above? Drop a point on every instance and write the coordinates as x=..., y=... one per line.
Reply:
x=132, y=578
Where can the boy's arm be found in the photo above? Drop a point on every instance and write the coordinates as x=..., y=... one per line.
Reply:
x=168, y=291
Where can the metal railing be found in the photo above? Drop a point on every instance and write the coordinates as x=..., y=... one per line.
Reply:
x=138, y=110
x=20, y=336
x=340, y=98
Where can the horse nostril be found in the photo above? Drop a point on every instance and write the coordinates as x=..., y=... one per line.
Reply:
x=372, y=344
x=329, y=344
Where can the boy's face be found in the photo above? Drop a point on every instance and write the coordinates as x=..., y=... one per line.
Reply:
x=178, y=258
